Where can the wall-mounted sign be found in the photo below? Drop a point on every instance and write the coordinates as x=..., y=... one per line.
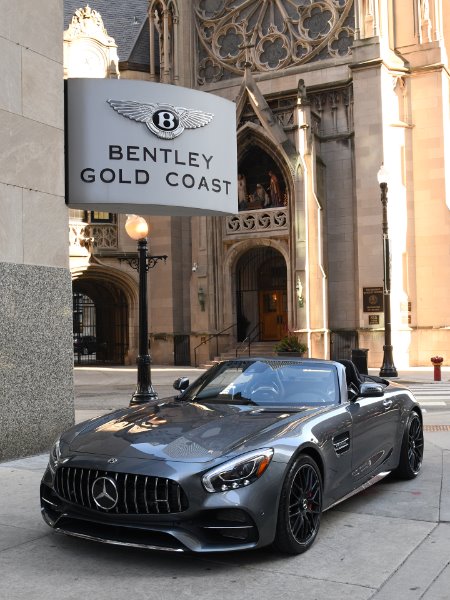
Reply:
x=373, y=299
x=374, y=319
x=149, y=148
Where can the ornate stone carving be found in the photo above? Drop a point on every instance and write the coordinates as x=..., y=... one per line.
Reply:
x=269, y=35
x=282, y=110
x=104, y=236
x=88, y=22
x=272, y=220
x=88, y=49
x=83, y=236
x=79, y=238
x=332, y=111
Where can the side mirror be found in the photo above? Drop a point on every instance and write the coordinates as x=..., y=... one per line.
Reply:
x=369, y=389
x=181, y=384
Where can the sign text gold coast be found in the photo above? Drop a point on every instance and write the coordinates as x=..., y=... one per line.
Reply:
x=134, y=166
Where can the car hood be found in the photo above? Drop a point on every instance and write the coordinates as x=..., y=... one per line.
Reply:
x=181, y=431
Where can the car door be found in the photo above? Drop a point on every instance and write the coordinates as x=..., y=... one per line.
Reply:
x=334, y=433
x=375, y=422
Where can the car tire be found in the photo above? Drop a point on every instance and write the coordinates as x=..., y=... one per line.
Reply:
x=300, y=507
x=411, y=453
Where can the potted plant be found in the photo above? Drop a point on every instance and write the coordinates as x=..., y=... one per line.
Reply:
x=291, y=345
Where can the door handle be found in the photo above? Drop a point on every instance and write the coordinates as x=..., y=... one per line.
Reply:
x=387, y=403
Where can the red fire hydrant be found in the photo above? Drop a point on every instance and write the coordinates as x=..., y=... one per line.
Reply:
x=437, y=362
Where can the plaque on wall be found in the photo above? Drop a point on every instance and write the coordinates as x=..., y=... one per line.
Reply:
x=374, y=319
x=373, y=299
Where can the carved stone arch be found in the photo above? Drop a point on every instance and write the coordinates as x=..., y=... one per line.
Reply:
x=231, y=259
x=235, y=252
x=115, y=296
x=172, y=6
x=112, y=275
x=251, y=132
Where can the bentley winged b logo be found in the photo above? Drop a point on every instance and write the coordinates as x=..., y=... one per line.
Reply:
x=164, y=120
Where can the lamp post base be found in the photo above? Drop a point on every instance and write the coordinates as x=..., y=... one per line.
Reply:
x=388, y=368
x=144, y=390
x=140, y=397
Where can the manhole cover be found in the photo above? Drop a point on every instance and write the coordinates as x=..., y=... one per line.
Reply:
x=436, y=427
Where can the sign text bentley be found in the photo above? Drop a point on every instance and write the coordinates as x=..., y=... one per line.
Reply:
x=175, y=155
x=141, y=176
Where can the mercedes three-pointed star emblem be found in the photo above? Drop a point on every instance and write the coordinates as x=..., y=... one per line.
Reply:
x=104, y=493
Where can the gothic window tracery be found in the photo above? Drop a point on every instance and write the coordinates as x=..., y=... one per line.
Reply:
x=269, y=35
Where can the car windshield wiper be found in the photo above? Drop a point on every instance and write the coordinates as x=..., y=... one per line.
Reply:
x=223, y=399
x=239, y=400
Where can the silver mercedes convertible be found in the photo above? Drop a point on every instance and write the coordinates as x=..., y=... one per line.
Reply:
x=249, y=454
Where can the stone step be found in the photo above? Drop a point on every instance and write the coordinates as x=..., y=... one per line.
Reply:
x=263, y=349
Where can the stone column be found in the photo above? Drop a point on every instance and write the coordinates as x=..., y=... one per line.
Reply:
x=151, y=24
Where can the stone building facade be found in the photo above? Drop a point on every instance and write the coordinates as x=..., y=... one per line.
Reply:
x=325, y=92
x=36, y=353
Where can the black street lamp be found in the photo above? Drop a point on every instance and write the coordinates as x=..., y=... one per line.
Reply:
x=387, y=368
x=137, y=229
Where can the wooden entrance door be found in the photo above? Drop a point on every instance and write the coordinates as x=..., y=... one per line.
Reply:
x=273, y=314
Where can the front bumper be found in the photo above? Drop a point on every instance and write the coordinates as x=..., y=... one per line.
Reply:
x=212, y=522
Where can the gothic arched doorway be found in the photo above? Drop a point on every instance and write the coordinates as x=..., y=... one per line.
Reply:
x=100, y=322
x=261, y=294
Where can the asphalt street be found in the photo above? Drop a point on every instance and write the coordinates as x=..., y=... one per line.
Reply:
x=390, y=542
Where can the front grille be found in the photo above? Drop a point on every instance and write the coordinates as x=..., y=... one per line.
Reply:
x=133, y=494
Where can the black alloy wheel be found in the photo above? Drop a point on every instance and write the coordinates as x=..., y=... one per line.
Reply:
x=300, y=507
x=411, y=454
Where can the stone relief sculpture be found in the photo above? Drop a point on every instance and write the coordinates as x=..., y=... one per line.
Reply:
x=266, y=193
x=88, y=49
x=88, y=21
x=260, y=199
x=275, y=191
x=242, y=192
x=269, y=35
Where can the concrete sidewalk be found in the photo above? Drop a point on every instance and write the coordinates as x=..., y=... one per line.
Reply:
x=391, y=542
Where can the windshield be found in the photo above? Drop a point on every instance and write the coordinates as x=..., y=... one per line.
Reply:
x=262, y=383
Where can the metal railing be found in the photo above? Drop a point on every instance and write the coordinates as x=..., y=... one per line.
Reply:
x=252, y=336
x=214, y=335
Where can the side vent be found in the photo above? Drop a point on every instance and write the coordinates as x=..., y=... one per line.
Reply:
x=341, y=442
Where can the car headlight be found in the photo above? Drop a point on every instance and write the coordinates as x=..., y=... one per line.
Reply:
x=55, y=455
x=239, y=472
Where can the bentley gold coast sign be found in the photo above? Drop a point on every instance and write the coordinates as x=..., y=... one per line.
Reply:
x=149, y=148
